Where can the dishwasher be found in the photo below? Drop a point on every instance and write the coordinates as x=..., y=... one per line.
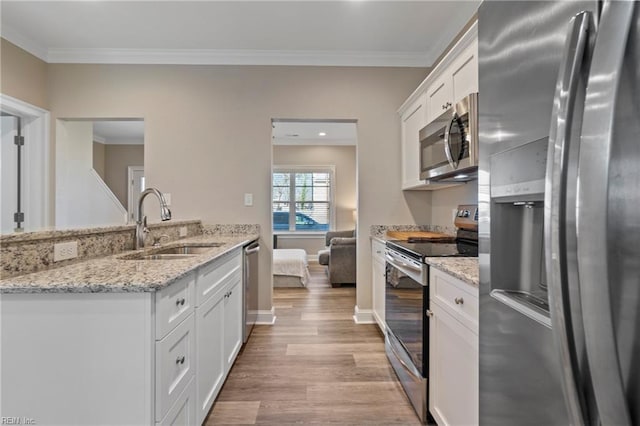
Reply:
x=250, y=311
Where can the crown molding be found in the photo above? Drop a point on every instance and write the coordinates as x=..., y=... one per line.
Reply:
x=217, y=56
x=237, y=57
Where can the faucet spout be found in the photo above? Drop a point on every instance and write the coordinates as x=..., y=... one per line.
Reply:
x=141, y=220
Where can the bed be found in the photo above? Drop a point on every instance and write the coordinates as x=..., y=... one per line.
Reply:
x=290, y=268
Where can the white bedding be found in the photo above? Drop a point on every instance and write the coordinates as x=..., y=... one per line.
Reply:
x=292, y=262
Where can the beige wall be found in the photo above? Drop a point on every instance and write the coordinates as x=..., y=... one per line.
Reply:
x=208, y=136
x=344, y=160
x=118, y=158
x=22, y=75
x=444, y=200
x=99, y=159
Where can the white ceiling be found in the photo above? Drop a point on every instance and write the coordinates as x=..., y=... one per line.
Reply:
x=119, y=132
x=357, y=33
x=308, y=133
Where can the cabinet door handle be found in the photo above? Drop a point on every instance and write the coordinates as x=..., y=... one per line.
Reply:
x=459, y=300
x=180, y=301
x=429, y=312
x=180, y=360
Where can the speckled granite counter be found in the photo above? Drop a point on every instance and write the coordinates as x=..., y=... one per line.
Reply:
x=463, y=268
x=113, y=274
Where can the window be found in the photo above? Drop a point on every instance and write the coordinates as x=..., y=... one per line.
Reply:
x=302, y=199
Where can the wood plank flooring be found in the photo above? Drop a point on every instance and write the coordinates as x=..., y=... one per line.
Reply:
x=314, y=366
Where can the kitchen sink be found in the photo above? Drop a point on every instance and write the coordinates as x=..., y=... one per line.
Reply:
x=173, y=253
x=194, y=249
x=155, y=256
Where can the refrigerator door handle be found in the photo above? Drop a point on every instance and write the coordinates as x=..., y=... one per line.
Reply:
x=555, y=205
x=591, y=211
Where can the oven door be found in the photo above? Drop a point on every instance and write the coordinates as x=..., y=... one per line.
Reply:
x=406, y=302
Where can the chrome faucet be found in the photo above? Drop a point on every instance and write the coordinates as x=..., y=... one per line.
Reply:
x=141, y=221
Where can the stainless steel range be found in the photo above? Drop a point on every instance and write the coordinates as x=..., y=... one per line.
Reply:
x=407, y=302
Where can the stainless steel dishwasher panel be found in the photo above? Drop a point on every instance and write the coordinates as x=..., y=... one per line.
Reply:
x=250, y=312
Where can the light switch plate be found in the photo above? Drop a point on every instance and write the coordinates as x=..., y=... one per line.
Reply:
x=64, y=251
x=248, y=199
x=182, y=231
x=167, y=197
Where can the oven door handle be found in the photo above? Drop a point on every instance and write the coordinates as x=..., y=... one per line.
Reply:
x=400, y=264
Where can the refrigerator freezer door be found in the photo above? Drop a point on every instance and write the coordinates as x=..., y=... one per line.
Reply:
x=521, y=45
x=608, y=211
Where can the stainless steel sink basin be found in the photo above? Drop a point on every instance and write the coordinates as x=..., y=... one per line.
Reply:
x=188, y=249
x=156, y=256
x=172, y=253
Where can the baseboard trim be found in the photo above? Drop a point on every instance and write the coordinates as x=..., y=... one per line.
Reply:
x=266, y=317
x=363, y=316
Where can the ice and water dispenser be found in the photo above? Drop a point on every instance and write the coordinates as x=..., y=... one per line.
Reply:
x=518, y=276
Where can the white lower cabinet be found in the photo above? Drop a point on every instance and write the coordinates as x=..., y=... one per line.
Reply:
x=183, y=412
x=219, y=325
x=379, y=281
x=175, y=364
x=453, y=351
x=123, y=358
x=233, y=322
x=210, y=352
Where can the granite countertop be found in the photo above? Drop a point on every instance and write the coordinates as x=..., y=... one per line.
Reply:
x=111, y=274
x=463, y=268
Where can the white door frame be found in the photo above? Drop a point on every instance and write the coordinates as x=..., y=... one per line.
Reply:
x=131, y=202
x=35, y=129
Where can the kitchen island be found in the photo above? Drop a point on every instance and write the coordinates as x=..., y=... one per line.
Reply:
x=113, y=340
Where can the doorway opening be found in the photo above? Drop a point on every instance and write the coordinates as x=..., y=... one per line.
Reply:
x=24, y=155
x=314, y=195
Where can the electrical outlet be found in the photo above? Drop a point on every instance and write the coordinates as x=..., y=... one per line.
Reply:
x=64, y=251
x=248, y=199
x=182, y=231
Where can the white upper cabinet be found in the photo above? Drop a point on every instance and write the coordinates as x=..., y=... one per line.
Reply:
x=464, y=72
x=455, y=77
x=414, y=119
x=439, y=97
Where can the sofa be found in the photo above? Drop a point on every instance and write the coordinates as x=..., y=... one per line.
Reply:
x=339, y=257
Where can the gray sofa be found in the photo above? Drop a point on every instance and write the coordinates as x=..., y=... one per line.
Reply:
x=339, y=257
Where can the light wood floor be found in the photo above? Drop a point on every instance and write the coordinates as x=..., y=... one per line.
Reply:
x=315, y=365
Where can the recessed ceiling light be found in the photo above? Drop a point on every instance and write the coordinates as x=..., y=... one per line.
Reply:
x=322, y=134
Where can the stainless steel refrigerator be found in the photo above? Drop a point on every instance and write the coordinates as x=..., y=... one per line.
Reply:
x=559, y=198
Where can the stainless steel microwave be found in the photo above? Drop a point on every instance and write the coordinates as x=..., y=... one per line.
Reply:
x=449, y=144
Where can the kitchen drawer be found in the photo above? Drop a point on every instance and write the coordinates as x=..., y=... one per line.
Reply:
x=183, y=412
x=173, y=304
x=210, y=277
x=175, y=364
x=456, y=297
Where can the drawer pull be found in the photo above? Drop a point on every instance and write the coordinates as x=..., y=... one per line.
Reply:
x=180, y=302
x=180, y=360
x=459, y=300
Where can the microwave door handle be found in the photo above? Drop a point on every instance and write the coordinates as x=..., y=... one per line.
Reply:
x=555, y=209
x=598, y=127
x=447, y=144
